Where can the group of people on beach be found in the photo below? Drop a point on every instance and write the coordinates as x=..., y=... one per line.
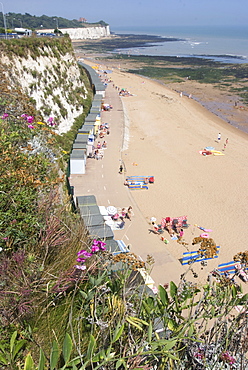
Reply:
x=219, y=139
x=97, y=148
x=124, y=214
x=173, y=227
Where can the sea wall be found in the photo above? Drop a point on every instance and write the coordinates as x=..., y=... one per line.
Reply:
x=48, y=73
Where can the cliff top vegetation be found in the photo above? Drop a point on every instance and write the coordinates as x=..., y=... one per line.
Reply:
x=17, y=20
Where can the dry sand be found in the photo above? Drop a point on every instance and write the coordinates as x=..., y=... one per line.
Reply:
x=166, y=132
x=163, y=136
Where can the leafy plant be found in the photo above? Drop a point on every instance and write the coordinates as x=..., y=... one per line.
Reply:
x=10, y=352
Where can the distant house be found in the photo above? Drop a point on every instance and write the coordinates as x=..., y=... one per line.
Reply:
x=82, y=20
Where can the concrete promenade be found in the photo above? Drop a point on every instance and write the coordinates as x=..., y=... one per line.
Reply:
x=103, y=180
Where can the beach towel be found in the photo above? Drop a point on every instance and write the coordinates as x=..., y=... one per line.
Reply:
x=227, y=267
x=195, y=256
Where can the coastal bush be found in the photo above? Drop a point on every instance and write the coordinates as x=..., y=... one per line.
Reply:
x=25, y=170
x=111, y=320
x=39, y=234
x=36, y=223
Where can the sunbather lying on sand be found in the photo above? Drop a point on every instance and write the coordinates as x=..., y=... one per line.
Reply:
x=169, y=229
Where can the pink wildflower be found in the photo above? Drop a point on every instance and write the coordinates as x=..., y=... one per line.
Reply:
x=80, y=267
x=80, y=259
x=30, y=119
x=101, y=245
x=5, y=115
x=24, y=116
x=94, y=248
x=84, y=253
x=226, y=357
x=51, y=121
x=97, y=245
x=30, y=126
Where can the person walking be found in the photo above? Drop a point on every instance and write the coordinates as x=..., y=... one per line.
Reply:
x=121, y=169
x=219, y=137
x=129, y=213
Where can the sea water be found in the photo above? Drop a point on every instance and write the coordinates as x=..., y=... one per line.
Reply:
x=227, y=44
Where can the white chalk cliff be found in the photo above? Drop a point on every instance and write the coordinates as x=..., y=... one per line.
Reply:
x=51, y=78
x=87, y=33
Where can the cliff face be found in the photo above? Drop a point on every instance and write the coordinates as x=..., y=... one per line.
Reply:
x=83, y=33
x=87, y=33
x=47, y=72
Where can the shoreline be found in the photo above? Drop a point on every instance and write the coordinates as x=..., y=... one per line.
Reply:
x=221, y=120
x=226, y=105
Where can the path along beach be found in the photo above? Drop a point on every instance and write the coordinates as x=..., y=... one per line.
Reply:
x=156, y=132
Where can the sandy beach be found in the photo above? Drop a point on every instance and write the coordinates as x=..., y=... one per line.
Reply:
x=163, y=134
x=166, y=134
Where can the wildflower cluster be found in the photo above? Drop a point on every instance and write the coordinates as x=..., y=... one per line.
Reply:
x=51, y=122
x=29, y=119
x=96, y=246
x=226, y=357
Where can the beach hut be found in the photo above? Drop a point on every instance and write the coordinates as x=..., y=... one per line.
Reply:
x=77, y=162
x=98, y=97
x=103, y=232
x=95, y=110
x=95, y=120
x=87, y=129
x=80, y=146
x=93, y=220
x=81, y=138
x=86, y=200
x=86, y=210
x=96, y=84
x=92, y=117
x=85, y=142
x=96, y=106
x=112, y=246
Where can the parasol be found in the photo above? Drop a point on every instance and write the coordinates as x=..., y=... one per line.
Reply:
x=111, y=210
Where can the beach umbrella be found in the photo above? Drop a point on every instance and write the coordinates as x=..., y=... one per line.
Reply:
x=153, y=219
x=111, y=210
x=209, y=148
